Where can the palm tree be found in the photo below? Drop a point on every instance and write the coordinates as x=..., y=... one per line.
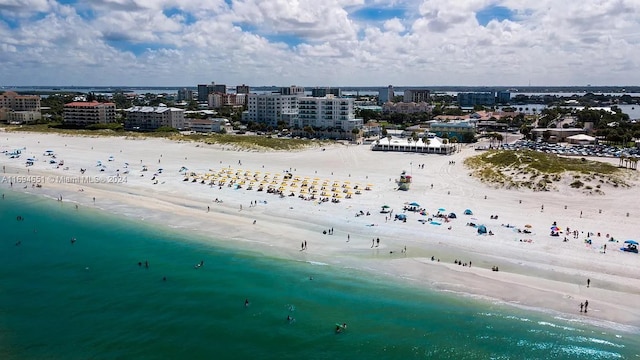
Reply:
x=454, y=140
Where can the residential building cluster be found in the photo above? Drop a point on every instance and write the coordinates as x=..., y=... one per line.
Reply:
x=320, y=108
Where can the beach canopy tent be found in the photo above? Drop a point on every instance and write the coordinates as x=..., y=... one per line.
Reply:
x=482, y=229
x=453, y=216
x=632, y=246
x=401, y=216
x=468, y=212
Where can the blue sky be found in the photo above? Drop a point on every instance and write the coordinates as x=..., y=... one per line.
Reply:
x=495, y=13
x=332, y=42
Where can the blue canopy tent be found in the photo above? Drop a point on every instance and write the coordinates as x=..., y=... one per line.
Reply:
x=482, y=229
x=401, y=217
x=632, y=246
x=468, y=212
x=453, y=216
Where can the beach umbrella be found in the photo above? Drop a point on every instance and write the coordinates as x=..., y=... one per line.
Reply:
x=631, y=242
x=442, y=209
x=414, y=204
x=385, y=206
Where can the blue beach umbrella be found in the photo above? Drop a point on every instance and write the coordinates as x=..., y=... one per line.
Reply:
x=631, y=242
x=442, y=209
x=415, y=204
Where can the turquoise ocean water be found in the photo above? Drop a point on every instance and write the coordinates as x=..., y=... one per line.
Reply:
x=91, y=300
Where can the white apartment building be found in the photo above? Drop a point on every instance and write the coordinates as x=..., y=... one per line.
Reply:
x=19, y=108
x=83, y=113
x=271, y=108
x=326, y=113
x=300, y=111
x=150, y=118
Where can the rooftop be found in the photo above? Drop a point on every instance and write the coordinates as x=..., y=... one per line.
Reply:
x=87, y=104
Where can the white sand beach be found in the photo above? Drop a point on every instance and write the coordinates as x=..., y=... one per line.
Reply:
x=540, y=272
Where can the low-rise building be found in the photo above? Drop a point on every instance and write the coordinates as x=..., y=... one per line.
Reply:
x=371, y=128
x=556, y=134
x=218, y=125
x=150, y=118
x=83, y=113
x=460, y=130
x=406, y=107
x=23, y=117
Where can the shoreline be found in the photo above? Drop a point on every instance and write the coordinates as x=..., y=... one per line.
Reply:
x=545, y=274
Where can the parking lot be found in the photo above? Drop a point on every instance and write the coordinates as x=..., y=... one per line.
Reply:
x=573, y=150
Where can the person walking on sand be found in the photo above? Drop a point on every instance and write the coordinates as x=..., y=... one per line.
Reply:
x=581, y=306
x=348, y=237
x=588, y=282
x=586, y=305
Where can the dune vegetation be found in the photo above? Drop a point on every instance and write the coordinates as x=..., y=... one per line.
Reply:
x=538, y=171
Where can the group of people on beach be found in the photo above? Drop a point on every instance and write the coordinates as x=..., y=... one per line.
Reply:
x=584, y=306
x=459, y=262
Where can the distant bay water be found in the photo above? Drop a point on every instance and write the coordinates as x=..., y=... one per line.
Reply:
x=95, y=298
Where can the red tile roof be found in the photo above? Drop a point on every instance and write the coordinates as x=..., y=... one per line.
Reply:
x=87, y=103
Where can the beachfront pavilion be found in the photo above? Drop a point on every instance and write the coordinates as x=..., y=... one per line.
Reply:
x=434, y=145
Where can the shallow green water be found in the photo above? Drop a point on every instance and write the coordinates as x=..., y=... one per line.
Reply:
x=92, y=300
